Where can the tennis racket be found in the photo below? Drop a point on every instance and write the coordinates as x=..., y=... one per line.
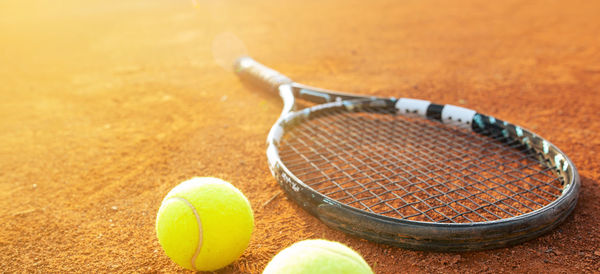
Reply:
x=412, y=173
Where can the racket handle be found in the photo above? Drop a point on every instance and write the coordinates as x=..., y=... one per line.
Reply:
x=258, y=73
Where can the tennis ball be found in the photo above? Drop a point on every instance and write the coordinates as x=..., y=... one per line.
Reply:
x=204, y=224
x=317, y=256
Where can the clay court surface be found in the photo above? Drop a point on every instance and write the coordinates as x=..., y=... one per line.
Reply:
x=107, y=105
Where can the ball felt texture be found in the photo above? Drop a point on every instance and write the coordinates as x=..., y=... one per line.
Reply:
x=317, y=256
x=204, y=224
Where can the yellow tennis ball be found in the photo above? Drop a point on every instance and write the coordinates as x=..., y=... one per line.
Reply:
x=317, y=256
x=204, y=224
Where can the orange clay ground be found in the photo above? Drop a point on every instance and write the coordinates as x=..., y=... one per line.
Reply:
x=107, y=105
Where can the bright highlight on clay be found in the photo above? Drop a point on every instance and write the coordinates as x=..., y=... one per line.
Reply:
x=226, y=48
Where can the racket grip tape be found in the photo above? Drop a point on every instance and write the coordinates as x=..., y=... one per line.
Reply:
x=258, y=73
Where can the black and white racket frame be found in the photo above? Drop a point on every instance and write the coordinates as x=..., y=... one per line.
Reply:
x=407, y=233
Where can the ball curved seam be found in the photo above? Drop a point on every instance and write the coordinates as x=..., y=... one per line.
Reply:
x=199, y=221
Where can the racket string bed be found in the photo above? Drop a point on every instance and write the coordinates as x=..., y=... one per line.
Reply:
x=416, y=169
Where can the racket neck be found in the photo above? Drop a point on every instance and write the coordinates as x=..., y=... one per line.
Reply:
x=321, y=96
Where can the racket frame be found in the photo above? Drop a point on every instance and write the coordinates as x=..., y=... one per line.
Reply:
x=410, y=234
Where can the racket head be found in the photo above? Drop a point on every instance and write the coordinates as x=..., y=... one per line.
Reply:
x=358, y=218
